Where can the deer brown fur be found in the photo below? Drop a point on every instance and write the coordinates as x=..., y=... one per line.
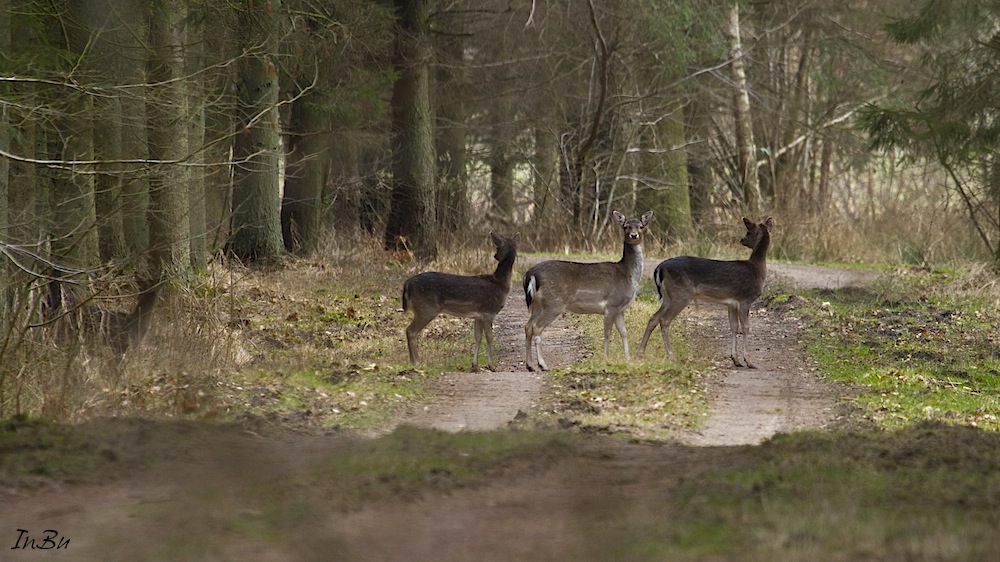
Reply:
x=554, y=287
x=479, y=297
x=735, y=284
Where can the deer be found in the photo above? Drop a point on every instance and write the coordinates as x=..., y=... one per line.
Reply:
x=479, y=297
x=555, y=286
x=735, y=284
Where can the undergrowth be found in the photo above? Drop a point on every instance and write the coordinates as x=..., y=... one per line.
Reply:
x=918, y=345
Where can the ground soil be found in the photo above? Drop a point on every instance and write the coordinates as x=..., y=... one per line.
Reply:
x=569, y=510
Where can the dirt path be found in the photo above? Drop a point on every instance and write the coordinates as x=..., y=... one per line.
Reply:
x=748, y=405
x=490, y=400
x=208, y=492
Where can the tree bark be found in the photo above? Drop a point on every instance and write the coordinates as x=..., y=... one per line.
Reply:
x=166, y=110
x=411, y=224
x=194, y=61
x=256, y=220
x=664, y=188
x=745, y=145
x=308, y=170
x=545, y=180
x=450, y=132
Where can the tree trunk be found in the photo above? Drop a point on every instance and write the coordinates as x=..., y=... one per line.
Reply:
x=70, y=140
x=745, y=145
x=342, y=191
x=166, y=111
x=664, y=188
x=450, y=132
x=194, y=61
x=308, y=169
x=5, y=235
x=256, y=220
x=411, y=224
x=545, y=180
x=501, y=176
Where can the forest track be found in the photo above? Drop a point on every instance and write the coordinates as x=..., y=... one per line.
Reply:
x=785, y=393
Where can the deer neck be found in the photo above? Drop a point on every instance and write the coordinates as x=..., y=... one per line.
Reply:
x=759, y=255
x=631, y=260
x=504, y=269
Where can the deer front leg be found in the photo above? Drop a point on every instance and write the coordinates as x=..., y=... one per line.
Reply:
x=734, y=327
x=477, y=333
x=620, y=324
x=745, y=328
x=488, y=329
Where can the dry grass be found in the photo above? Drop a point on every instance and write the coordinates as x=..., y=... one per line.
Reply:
x=325, y=335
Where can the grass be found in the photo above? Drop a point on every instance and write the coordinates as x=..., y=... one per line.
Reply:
x=920, y=345
x=929, y=492
x=648, y=398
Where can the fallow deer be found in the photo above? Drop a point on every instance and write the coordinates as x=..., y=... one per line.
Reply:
x=735, y=284
x=479, y=297
x=554, y=287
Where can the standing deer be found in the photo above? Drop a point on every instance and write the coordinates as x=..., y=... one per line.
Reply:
x=735, y=284
x=479, y=297
x=608, y=288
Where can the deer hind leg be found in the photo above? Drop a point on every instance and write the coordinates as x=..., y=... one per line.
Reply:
x=484, y=326
x=654, y=320
x=674, y=308
x=540, y=319
x=420, y=320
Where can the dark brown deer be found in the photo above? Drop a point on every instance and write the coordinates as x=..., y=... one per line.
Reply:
x=554, y=287
x=735, y=284
x=479, y=297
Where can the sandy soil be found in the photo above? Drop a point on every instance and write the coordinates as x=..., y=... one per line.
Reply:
x=576, y=509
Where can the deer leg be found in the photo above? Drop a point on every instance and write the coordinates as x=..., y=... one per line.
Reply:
x=734, y=327
x=488, y=329
x=608, y=321
x=477, y=333
x=419, y=322
x=673, y=309
x=619, y=321
x=534, y=337
x=650, y=326
x=745, y=324
x=529, y=335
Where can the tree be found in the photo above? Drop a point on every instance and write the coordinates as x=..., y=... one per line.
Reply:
x=168, y=214
x=450, y=125
x=953, y=117
x=412, y=225
x=256, y=218
x=746, y=150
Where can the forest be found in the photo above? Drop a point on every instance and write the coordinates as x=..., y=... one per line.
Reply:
x=150, y=145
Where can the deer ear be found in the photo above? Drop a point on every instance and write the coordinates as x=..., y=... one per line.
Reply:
x=769, y=223
x=619, y=217
x=646, y=216
x=749, y=223
x=496, y=239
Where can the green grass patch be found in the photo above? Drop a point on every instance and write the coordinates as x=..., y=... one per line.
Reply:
x=930, y=492
x=919, y=345
x=412, y=461
x=645, y=397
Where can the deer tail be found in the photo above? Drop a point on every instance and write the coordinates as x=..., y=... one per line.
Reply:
x=530, y=288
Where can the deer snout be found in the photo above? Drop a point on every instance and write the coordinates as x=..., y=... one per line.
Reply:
x=633, y=235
